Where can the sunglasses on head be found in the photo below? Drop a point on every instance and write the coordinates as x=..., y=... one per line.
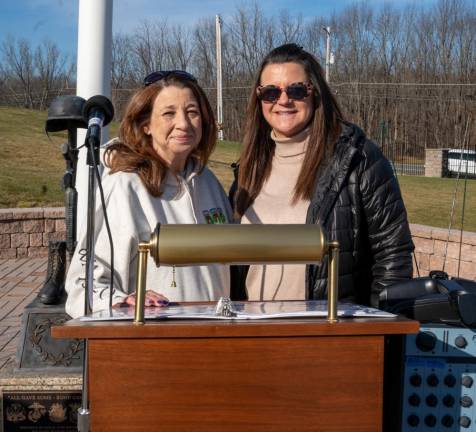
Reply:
x=157, y=76
x=296, y=91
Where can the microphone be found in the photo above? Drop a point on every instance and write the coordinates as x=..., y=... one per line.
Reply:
x=99, y=111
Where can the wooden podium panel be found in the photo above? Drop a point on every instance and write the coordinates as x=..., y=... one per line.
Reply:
x=274, y=375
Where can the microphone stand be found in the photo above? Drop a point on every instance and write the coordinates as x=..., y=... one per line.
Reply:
x=92, y=144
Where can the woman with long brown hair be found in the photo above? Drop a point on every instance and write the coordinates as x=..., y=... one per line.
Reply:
x=303, y=163
x=157, y=174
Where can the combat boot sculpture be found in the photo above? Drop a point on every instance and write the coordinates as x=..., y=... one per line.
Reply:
x=53, y=289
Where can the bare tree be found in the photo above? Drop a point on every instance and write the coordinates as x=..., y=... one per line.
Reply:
x=355, y=41
x=123, y=76
x=289, y=29
x=180, y=47
x=19, y=67
x=314, y=37
x=388, y=40
x=204, y=57
x=150, y=47
x=465, y=49
x=252, y=35
x=50, y=66
x=445, y=18
x=121, y=64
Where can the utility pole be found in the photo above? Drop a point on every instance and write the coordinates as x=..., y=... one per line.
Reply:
x=328, y=53
x=219, y=80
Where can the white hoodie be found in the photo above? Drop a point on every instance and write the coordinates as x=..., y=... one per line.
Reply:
x=133, y=215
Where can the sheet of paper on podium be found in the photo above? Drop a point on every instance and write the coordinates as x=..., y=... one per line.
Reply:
x=242, y=311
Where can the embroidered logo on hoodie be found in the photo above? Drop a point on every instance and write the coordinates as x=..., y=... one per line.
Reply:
x=214, y=216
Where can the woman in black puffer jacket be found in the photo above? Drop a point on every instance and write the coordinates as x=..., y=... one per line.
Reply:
x=302, y=163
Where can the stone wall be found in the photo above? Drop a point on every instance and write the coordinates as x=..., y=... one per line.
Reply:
x=431, y=248
x=26, y=232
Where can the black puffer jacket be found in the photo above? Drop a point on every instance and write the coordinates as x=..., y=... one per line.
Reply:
x=357, y=201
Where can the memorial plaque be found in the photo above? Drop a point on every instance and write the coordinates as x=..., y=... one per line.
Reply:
x=38, y=351
x=37, y=411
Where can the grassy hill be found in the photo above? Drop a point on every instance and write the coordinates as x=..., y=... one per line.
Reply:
x=31, y=164
x=31, y=169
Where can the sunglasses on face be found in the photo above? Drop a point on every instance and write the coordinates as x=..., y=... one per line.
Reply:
x=157, y=76
x=296, y=91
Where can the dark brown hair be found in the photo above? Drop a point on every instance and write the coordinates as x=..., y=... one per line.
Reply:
x=133, y=151
x=258, y=147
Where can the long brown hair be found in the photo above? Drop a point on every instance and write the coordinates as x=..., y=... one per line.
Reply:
x=258, y=147
x=133, y=151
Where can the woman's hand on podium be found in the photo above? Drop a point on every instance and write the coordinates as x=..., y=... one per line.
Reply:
x=152, y=299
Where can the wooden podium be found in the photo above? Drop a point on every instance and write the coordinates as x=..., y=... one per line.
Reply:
x=247, y=376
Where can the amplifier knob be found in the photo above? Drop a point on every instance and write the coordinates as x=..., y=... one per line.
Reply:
x=425, y=341
x=414, y=400
x=430, y=420
x=447, y=421
x=464, y=421
x=431, y=400
x=413, y=420
x=415, y=380
x=448, y=401
x=432, y=380
x=466, y=402
x=461, y=342
x=450, y=380
x=467, y=381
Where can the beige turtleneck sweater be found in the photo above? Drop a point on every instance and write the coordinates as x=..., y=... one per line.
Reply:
x=274, y=205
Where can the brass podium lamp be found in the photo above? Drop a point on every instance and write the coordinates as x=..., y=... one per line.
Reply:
x=183, y=245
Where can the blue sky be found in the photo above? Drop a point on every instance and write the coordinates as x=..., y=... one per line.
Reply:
x=56, y=20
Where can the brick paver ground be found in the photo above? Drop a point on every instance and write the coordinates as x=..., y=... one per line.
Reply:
x=20, y=280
